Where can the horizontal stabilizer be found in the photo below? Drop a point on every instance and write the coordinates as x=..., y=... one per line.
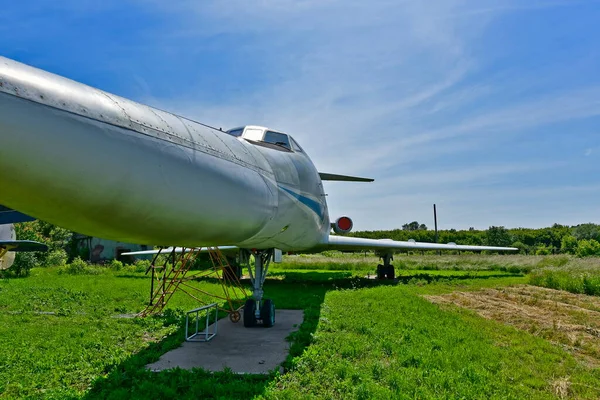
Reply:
x=343, y=178
x=9, y=216
x=22, y=245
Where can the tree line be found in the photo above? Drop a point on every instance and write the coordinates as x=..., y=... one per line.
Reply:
x=581, y=240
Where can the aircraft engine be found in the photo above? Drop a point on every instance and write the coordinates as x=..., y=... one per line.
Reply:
x=7, y=232
x=342, y=225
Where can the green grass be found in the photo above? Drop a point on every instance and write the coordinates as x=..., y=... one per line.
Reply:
x=387, y=342
x=59, y=338
x=367, y=262
x=579, y=279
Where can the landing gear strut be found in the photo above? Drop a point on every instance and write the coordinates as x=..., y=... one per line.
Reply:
x=257, y=310
x=386, y=270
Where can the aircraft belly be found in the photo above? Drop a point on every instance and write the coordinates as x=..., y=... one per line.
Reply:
x=115, y=183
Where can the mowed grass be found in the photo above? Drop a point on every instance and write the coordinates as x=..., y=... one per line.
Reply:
x=360, y=339
x=388, y=342
x=68, y=336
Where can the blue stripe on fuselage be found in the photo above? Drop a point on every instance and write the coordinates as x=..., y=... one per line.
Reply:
x=314, y=205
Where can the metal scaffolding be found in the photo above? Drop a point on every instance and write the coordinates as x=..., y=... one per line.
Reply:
x=175, y=273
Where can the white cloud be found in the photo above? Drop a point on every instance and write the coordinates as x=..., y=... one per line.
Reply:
x=373, y=88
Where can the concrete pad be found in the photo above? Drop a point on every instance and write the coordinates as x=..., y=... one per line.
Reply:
x=255, y=350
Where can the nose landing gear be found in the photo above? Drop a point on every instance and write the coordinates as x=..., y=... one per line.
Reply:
x=256, y=310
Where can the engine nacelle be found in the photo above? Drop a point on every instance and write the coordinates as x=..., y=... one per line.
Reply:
x=342, y=225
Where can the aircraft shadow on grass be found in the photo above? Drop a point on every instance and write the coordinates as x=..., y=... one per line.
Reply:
x=132, y=378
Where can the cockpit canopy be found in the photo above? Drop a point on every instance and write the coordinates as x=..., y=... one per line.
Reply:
x=265, y=136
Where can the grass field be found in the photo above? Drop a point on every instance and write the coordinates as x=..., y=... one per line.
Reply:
x=63, y=336
x=572, y=275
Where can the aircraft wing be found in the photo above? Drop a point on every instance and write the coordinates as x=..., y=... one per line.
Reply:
x=169, y=250
x=9, y=216
x=354, y=243
x=22, y=245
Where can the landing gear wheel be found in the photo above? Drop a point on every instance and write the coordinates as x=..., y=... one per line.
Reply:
x=267, y=313
x=235, y=316
x=249, y=313
x=381, y=272
x=390, y=274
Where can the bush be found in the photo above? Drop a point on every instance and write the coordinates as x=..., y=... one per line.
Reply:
x=56, y=258
x=554, y=261
x=23, y=264
x=79, y=267
x=587, y=248
x=115, y=265
x=142, y=265
x=543, y=250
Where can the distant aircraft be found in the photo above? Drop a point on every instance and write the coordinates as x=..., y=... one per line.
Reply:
x=8, y=238
x=106, y=166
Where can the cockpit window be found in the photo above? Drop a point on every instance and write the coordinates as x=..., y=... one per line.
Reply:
x=276, y=138
x=236, y=132
x=295, y=145
x=253, y=134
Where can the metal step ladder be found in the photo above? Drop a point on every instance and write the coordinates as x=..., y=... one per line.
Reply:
x=175, y=274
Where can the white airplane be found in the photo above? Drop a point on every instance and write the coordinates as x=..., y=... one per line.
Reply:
x=8, y=238
x=106, y=166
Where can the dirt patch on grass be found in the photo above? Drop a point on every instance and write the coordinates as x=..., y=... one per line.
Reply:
x=570, y=320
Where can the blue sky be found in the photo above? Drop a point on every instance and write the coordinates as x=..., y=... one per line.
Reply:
x=489, y=108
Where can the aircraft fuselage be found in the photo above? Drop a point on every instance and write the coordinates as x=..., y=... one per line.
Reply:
x=102, y=165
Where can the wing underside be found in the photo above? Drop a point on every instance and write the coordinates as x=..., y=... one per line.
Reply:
x=353, y=243
x=345, y=243
x=169, y=250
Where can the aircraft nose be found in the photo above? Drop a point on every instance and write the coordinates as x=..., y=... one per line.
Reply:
x=102, y=165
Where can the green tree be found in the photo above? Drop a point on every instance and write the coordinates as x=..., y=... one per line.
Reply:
x=568, y=245
x=587, y=231
x=587, y=248
x=58, y=240
x=498, y=236
x=411, y=226
x=523, y=248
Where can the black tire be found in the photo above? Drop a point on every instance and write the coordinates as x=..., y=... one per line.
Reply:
x=381, y=272
x=391, y=274
x=267, y=313
x=249, y=313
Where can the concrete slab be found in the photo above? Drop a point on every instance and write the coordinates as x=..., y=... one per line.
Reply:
x=245, y=350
